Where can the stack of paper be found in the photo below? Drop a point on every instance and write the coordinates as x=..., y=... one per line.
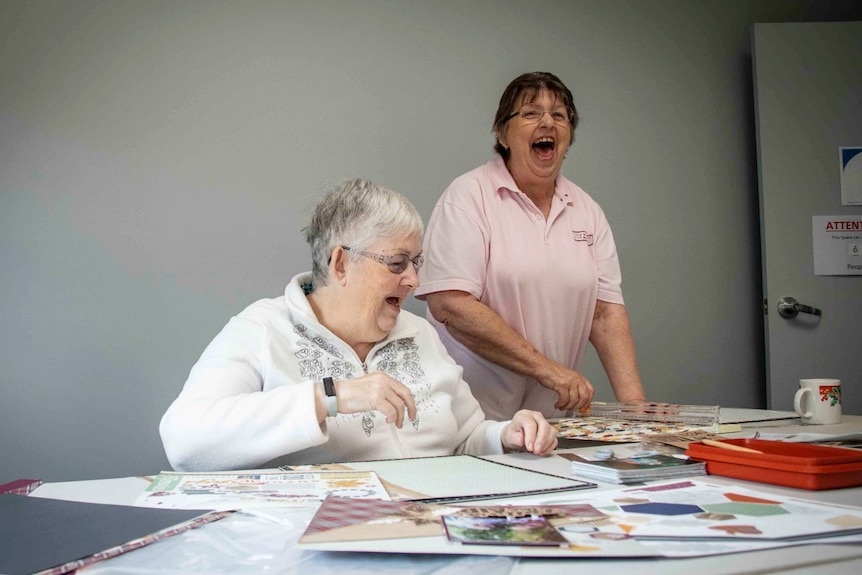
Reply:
x=645, y=467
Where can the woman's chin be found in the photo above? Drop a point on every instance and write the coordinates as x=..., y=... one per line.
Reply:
x=386, y=322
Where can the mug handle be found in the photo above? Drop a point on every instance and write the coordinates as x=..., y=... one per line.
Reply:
x=797, y=402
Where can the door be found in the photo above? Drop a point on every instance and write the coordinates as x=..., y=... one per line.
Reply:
x=808, y=104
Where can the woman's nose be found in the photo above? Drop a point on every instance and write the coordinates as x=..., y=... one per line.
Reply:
x=546, y=119
x=410, y=277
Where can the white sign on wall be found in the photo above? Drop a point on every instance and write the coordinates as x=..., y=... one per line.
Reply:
x=837, y=245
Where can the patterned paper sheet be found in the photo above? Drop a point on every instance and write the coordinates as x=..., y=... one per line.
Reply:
x=614, y=430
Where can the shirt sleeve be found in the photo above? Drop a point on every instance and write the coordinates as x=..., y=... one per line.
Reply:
x=223, y=419
x=456, y=244
x=607, y=263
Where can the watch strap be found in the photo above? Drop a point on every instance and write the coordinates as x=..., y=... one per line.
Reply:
x=331, y=400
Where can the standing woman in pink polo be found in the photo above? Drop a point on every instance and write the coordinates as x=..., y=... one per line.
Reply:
x=521, y=270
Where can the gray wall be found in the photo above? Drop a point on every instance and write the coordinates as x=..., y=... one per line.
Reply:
x=158, y=159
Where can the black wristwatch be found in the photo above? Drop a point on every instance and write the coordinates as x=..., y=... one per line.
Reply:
x=331, y=401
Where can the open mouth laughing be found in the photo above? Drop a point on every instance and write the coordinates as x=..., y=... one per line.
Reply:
x=544, y=147
x=394, y=301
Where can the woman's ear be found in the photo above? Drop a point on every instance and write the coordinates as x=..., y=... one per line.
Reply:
x=338, y=261
x=501, y=137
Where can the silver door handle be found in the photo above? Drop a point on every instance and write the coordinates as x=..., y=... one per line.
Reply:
x=789, y=308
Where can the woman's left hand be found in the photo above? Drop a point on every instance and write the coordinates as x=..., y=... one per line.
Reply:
x=529, y=431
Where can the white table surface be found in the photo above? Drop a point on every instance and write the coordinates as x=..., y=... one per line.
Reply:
x=802, y=559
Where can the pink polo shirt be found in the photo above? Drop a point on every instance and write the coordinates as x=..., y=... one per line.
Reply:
x=542, y=277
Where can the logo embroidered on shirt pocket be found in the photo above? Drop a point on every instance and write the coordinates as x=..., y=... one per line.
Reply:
x=583, y=237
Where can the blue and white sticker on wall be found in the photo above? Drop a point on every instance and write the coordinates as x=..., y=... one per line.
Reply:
x=851, y=175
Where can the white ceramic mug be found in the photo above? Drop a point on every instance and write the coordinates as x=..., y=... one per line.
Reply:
x=818, y=401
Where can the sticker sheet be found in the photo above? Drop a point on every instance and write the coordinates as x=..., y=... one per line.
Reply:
x=255, y=489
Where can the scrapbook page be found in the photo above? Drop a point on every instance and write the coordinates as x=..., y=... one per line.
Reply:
x=677, y=518
x=342, y=519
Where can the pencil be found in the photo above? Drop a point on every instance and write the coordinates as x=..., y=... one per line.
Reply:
x=730, y=446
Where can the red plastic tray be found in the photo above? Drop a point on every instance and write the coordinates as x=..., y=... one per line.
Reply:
x=801, y=465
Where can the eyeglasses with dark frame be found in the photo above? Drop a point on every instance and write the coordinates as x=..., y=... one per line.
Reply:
x=396, y=263
x=532, y=113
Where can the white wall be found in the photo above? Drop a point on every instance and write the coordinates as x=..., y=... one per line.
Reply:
x=158, y=159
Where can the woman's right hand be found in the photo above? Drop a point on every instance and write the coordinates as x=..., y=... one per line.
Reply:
x=574, y=391
x=376, y=391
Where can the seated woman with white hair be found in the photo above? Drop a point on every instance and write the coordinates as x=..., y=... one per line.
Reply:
x=334, y=370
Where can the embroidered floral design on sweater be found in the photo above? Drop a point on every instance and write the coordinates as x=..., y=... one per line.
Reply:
x=317, y=340
x=318, y=357
x=408, y=370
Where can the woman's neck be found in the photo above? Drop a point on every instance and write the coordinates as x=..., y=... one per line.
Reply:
x=542, y=195
x=331, y=316
x=541, y=192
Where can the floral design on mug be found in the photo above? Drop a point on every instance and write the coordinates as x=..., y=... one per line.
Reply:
x=830, y=393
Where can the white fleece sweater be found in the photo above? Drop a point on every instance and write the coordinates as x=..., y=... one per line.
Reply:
x=249, y=400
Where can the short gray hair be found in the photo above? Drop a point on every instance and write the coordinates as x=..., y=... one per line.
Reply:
x=356, y=213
